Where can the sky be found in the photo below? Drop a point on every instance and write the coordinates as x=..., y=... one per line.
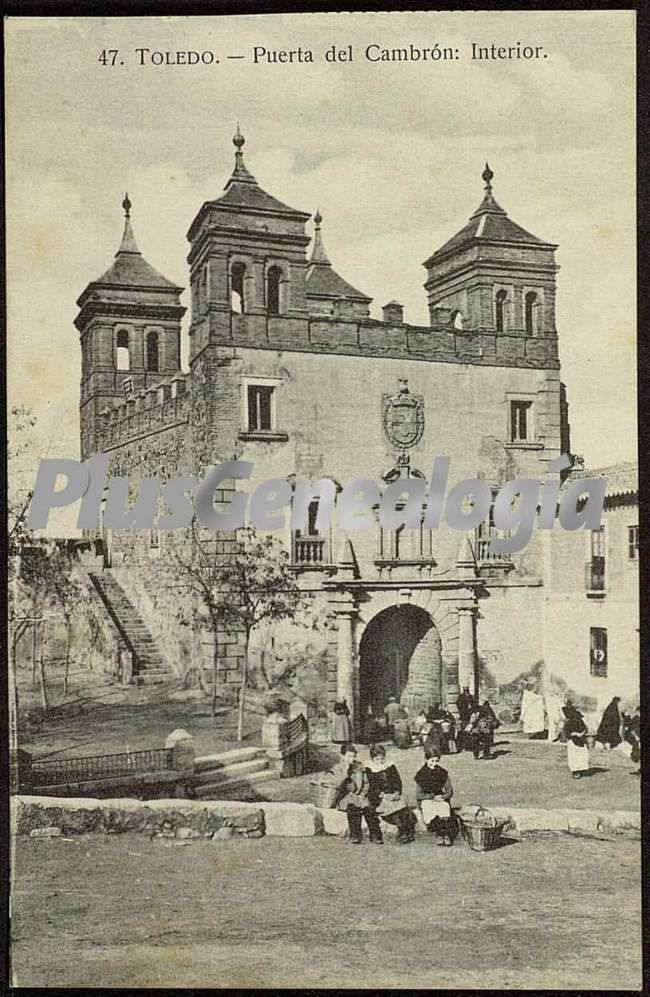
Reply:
x=390, y=152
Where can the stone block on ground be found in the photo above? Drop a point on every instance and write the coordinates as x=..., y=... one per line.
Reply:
x=292, y=820
x=187, y=832
x=525, y=819
x=334, y=822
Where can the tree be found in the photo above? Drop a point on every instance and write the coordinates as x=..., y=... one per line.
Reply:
x=241, y=588
x=47, y=572
x=19, y=494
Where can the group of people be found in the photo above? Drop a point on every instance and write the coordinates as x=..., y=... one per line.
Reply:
x=616, y=729
x=436, y=728
x=373, y=793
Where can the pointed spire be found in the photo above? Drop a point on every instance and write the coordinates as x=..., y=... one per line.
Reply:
x=488, y=205
x=318, y=254
x=128, y=244
x=240, y=174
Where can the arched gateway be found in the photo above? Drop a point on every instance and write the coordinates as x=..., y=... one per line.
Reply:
x=400, y=655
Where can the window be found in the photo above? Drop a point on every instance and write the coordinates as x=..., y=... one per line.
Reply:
x=598, y=652
x=152, y=352
x=520, y=421
x=530, y=303
x=596, y=575
x=122, y=359
x=499, y=310
x=237, y=276
x=154, y=538
x=457, y=320
x=260, y=407
x=633, y=543
x=273, y=290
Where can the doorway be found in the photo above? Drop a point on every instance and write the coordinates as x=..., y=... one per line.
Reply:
x=400, y=655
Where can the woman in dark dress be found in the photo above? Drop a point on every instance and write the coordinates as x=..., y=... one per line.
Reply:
x=341, y=725
x=609, y=729
x=385, y=795
x=483, y=738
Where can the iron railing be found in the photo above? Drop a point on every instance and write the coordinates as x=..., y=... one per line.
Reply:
x=58, y=771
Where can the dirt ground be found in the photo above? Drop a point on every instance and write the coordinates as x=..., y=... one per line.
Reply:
x=547, y=912
x=106, y=719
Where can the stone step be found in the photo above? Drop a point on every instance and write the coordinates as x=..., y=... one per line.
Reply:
x=221, y=790
x=150, y=669
x=230, y=772
x=204, y=762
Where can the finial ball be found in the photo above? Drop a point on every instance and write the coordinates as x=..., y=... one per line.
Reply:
x=238, y=138
x=318, y=217
x=126, y=204
x=487, y=174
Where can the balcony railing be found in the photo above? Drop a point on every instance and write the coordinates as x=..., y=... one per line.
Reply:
x=483, y=552
x=309, y=550
x=595, y=576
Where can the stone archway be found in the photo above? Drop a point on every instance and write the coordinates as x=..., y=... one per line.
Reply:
x=400, y=654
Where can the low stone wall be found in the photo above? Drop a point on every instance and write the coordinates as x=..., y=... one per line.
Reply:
x=31, y=814
x=42, y=816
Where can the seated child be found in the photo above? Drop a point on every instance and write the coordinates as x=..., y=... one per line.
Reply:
x=434, y=792
x=353, y=788
x=385, y=795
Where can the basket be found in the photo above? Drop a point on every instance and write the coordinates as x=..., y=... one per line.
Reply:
x=482, y=831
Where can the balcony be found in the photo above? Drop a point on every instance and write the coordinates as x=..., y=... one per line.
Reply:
x=595, y=578
x=311, y=553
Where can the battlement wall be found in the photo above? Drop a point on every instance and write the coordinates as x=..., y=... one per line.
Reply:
x=149, y=413
x=370, y=337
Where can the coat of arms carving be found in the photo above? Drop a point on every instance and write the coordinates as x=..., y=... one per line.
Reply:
x=403, y=416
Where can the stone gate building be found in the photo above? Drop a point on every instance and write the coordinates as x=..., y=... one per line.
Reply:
x=288, y=369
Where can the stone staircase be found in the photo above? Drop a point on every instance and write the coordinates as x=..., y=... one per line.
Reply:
x=149, y=667
x=219, y=776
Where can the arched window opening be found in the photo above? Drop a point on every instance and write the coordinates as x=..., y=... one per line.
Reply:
x=152, y=352
x=237, y=275
x=531, y=307
x=273, y=290
x=457, y=319
x=122, y=359
x=499, y=317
